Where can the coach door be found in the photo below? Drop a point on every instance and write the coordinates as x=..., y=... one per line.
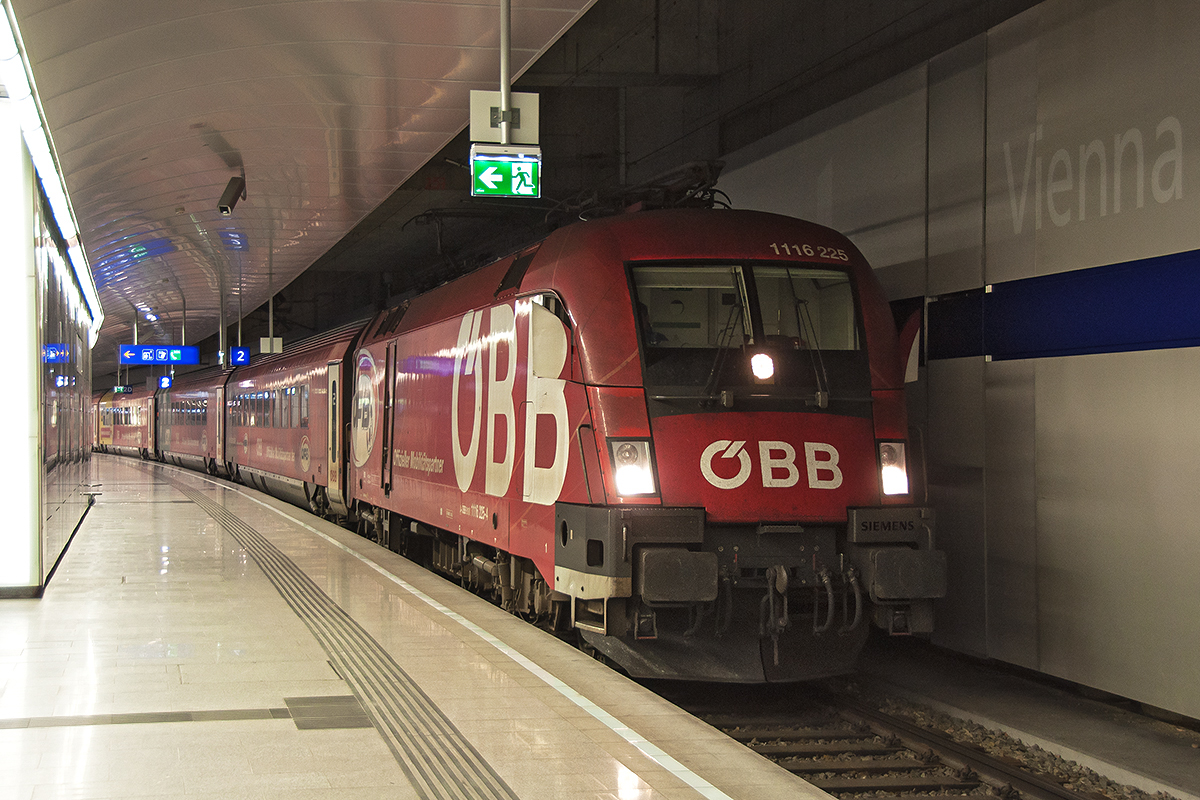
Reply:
x=217, y=406
x=388, y=422
x=334, y=439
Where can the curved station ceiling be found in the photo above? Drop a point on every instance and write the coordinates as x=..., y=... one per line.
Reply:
x=325, y=108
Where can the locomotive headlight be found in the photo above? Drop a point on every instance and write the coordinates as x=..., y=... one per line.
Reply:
x=633, y=469
x=893, y=469
x=763, y=366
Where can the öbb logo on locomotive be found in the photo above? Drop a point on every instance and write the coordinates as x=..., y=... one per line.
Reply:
x=543, y=358
x=775, y=457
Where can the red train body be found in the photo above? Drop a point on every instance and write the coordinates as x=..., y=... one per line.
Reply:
x=680, y=433
x=125, y=423
x=284, y=420
x=191, y=422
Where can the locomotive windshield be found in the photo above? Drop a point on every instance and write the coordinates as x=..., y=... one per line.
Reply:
x=809, y=307
x=701, y=323
x=693, y=306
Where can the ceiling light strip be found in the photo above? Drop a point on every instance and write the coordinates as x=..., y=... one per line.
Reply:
x=22, y=92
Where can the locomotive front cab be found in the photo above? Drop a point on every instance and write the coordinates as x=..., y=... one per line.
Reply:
x=767, y=520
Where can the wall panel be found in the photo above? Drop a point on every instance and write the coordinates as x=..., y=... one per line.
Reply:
x=956, y=476
x=957, y=122
x=1011, y=550
x=1118, y=551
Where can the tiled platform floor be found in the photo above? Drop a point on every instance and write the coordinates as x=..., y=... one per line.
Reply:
x=164, y=662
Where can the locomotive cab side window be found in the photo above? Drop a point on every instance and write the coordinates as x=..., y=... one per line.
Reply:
x=552, y=303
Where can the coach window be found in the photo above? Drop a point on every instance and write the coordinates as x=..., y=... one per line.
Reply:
x=304, y=406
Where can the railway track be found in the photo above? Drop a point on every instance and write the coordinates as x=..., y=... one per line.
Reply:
x=852, y=750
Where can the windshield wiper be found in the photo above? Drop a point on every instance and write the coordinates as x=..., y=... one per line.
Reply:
x=808, y=332
x=712, y=386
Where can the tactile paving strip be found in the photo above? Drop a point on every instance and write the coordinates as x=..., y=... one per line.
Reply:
x=437, y=758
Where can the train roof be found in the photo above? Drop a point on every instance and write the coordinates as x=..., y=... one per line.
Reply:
x=337, y=339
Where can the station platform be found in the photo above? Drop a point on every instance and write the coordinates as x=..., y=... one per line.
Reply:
x=200, y=639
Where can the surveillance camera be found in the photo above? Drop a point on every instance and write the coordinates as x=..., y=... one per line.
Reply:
x=233, y=192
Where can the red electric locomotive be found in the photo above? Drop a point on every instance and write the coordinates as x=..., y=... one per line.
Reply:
x=682, y=433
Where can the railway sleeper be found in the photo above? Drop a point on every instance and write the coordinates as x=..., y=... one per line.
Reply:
x=806, y=766
x=761, y=733
x=876, y=748
x=894, y=783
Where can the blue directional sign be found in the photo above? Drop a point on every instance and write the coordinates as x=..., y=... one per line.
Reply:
x=239, y=356
x=159, y=354
x=56, y=353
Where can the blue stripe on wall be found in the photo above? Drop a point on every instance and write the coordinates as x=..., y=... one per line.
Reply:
x=1150, y=304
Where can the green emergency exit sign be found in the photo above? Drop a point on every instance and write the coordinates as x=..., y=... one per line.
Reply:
x=506, y=170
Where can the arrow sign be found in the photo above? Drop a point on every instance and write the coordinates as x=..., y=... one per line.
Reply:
x=491, y=177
